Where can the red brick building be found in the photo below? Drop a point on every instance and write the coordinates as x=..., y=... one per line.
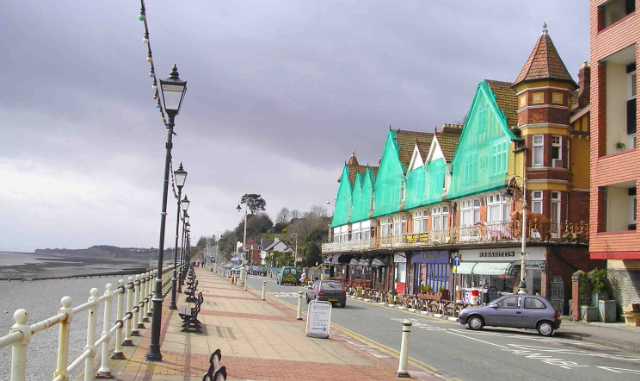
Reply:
x=615, y=161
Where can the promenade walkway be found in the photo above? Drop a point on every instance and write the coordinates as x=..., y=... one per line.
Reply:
x=259, y=340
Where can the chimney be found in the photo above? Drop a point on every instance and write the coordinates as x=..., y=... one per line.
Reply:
x=584, y=84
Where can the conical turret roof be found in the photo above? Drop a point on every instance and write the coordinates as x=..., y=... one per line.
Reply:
x=544, y=63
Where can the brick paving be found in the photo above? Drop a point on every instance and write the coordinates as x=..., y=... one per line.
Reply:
x=259, y=340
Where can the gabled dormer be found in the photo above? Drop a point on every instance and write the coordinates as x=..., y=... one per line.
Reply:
x=390, y=179
x=342, y=212
x=484, y=158
x=362, y=194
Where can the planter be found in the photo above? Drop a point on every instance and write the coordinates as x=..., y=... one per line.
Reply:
x=607, y=311
x=588, y=313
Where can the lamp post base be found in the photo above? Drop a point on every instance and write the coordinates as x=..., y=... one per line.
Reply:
x=522, y=287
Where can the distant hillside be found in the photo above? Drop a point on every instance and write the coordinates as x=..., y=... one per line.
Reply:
x=103, y=251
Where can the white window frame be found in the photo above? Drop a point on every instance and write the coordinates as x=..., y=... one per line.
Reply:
x=440, y=218
x=556, y=200
x=420, y=222
x=403, y=191
x=558, y=145
x=633, y=202
x=537, y=200
x=537, y=146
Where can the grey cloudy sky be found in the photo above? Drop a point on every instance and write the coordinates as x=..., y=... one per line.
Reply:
x=280, y=92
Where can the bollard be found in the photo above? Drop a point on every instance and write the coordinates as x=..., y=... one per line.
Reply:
x=299, y=309
x=117, y=351
x=246, y=278
x=140, y=304
x=404, y=350
x=264, y=285
x=105, y=371
x=19, y=349
x=128, y=342
x=63, y=339
x=91, y=337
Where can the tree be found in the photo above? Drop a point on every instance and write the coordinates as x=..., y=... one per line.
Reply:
x=284, y=216
x=227, y=244
x=256, y=225
x=253, y=202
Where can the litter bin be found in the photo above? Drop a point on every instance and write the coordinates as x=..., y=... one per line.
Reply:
x=607, y=311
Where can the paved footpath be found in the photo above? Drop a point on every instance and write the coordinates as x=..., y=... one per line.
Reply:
x=259, y=340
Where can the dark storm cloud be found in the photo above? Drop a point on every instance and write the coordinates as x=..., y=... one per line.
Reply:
x=280, y=92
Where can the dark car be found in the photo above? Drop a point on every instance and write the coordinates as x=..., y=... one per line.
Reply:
x=328, y=291
x=514, y=311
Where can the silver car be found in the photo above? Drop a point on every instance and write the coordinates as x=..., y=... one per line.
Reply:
x=514, y=311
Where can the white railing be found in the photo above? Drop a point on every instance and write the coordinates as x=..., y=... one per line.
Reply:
x=133, y=307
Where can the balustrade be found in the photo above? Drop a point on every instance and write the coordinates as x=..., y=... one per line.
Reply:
x=133, y=304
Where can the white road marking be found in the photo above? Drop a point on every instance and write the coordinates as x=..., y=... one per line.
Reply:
x=282, y=294
x=619, y=370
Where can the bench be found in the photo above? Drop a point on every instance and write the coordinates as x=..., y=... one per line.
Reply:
x=215, y=371
x=189, y=316
x=191, y=293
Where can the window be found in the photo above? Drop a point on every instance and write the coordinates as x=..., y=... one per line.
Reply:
x=508, y=302
x=522, y=100
x=497, y=209
x=420, y=222
x=440, y=216
x=556, y=212
x=538, y=150
x=536, y=202
x=631, y=106
x=534, y=304
x=557, y=98
x=556, y=151
x=633, y=210
x=386, y=227
x=614, y=10
x=537, y=98
x=470, y=212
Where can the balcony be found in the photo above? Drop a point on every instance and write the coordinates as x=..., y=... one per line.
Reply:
x=539, y=231
x=349, y=246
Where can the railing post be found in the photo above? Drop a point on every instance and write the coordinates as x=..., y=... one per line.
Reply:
x=89, y=369
x=147, y=298
x=105, y=371
x=117, y=351
x=152, y=276
x=63, y=339
x=139, y=302
x=19, y=349
x=128, y=342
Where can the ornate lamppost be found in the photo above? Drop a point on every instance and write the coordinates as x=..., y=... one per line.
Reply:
x=180, y=176
x=173, y=90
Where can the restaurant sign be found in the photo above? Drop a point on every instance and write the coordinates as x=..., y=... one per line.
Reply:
x=506, y=254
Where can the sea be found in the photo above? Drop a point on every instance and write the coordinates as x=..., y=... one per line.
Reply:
x=41, y=299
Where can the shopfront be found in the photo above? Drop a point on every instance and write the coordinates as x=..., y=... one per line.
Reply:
x=360, y=273
x=400, y=275
x=497, y=271
x=431, y=271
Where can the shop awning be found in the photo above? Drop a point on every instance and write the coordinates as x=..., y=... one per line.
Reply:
x=466, y=267
x=492, y=268
x=377, y=263
x=364, y=262
x=354, y=262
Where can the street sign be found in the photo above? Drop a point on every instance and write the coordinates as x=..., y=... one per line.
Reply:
x=318, y=319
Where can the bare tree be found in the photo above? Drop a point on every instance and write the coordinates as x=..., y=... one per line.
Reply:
x=283, y=217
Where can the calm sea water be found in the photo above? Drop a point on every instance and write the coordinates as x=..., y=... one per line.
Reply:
x=41, y=298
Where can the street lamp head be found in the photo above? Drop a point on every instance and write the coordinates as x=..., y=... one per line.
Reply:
x=185, y=203
x=173, y=90
x=238, y=208
x=180, y=176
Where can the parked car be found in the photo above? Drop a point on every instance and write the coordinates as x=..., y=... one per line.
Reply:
x=328, y=291
x=514, y=311
x=288, y=275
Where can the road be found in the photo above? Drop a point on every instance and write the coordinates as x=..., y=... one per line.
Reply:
x=490, y=354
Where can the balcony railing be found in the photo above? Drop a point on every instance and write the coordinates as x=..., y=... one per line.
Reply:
x=482, y=233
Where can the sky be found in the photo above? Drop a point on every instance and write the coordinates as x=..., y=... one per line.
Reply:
x=280, y=93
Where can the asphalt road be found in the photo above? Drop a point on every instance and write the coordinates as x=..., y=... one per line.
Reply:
x=490, y=354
